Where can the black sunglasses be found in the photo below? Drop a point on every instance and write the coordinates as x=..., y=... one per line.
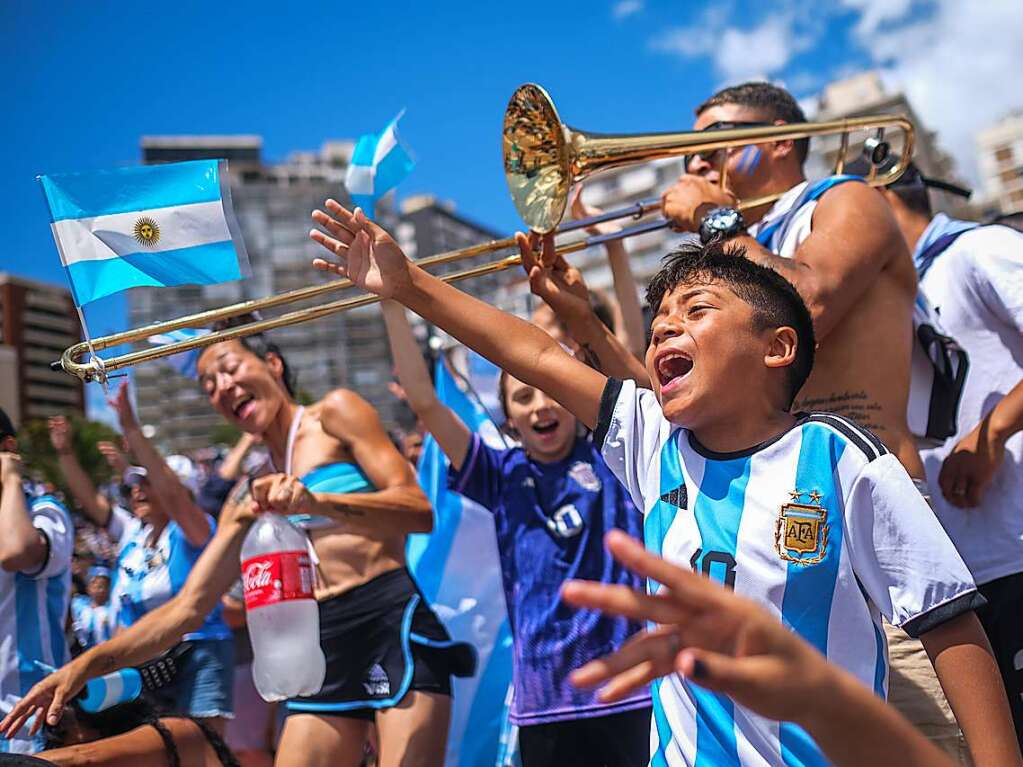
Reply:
x=717, y=126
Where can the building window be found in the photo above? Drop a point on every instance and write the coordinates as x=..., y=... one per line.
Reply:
x=1003, y=154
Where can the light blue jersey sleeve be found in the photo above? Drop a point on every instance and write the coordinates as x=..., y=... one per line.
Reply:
x=183, y=554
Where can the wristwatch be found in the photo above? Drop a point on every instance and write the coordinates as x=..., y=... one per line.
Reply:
x=721, y=223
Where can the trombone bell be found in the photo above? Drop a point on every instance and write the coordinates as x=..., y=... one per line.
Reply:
x=537, y=164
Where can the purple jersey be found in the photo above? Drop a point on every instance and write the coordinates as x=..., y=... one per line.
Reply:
x=550, y=520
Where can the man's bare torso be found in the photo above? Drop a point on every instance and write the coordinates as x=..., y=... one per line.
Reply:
x=862, y=368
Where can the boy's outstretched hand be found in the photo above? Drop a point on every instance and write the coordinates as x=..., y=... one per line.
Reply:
x=367, y=255
x=717, y=639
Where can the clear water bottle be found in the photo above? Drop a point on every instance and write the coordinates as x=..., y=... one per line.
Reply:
x=282, y=616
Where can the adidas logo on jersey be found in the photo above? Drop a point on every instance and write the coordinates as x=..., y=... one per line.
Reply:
x=678, y=497
x=377, y=682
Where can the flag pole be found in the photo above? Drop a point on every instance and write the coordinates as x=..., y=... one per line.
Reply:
x=95, y=357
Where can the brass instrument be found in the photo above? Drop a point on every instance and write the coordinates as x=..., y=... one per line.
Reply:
x=543, y=158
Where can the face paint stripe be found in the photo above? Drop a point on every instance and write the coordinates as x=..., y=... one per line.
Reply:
x=748, y=160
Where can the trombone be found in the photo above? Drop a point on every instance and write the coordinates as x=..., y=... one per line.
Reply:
x=543, y=158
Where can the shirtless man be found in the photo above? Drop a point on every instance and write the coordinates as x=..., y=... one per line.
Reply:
x=843, y=252
x=337, y=474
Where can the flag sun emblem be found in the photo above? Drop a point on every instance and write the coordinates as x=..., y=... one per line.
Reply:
x=147, y=232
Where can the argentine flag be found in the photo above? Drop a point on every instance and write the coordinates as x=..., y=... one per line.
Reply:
x=156, y=225
x=458, y=570
x=379, y=163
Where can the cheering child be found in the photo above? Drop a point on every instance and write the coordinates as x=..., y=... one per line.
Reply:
x=553, y=499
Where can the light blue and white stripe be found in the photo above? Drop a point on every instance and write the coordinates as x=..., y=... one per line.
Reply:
x=379, y=163
x=458, y=569
x=193, y=237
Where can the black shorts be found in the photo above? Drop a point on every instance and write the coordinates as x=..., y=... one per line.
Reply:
x=1002, y=619
x=614, y=740
x=381, y=640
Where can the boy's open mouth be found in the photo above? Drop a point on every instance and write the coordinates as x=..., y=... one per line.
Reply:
x=671, y=367
x=545, y=427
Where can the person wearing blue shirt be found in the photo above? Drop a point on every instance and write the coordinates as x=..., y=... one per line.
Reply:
x=35, y=585
x=158, y=543
x=552, y=500
x=92, y=614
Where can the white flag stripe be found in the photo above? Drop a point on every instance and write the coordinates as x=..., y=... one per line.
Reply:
x=105, y=237
x=387, y=142
x=360, y=179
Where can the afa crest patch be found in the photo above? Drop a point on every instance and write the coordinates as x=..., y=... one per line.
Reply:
x=801, y=534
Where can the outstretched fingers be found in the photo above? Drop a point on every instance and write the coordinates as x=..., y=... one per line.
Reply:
x=645, y=657
x=616, y=599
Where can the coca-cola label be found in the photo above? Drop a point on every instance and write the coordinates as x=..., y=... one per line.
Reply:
x=277, y=577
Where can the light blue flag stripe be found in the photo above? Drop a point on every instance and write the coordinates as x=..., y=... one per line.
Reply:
x=476, y=727
x=202, y=264
x=123, y=190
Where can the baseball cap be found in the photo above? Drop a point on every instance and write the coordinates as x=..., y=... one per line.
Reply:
x=99, y=571
x=182, y=467
x=911, y=177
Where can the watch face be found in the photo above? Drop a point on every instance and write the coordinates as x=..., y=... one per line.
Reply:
x=723, y=218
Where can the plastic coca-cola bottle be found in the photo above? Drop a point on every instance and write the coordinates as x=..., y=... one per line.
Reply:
x=283, y=620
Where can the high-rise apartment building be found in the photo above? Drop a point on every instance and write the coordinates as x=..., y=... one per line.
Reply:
x=1000, y=163
x=272, y=202
x=37, y=322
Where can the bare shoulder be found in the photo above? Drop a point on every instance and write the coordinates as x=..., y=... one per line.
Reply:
x=862, y=219
x=855, y=200
x=343, y=412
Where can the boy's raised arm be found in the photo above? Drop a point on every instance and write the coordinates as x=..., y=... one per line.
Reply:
x=373, y=261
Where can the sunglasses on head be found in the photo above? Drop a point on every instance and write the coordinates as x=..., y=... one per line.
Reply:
x=720, y=125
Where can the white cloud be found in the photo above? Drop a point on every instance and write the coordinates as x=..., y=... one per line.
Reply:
x=625, y=8
x=874, y=13
x=958, y=67
x=738, y=54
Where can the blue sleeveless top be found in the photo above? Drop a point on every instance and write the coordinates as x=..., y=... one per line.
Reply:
x=340, y=477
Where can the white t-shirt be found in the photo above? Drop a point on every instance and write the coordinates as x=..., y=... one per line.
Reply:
x=977, y=287
x=822, y=526
x=33, y=608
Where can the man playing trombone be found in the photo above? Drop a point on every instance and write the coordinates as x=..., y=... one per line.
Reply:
x=839, y=245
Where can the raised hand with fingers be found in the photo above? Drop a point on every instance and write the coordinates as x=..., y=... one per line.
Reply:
x=113, y=455
x=121, y=403
x=367, y=255
x=60, y=433
x=46, y=700
x=552, y=279
x=718, y=640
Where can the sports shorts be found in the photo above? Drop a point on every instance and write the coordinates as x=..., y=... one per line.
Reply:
x=381, y=639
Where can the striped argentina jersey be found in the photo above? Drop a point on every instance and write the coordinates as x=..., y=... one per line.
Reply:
x=33, y=608
x=821, y=525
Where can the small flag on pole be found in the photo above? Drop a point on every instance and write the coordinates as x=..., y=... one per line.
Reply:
x=157, y=225
x=379, y=163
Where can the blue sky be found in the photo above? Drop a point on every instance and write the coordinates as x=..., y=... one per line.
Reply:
x=83, y=81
